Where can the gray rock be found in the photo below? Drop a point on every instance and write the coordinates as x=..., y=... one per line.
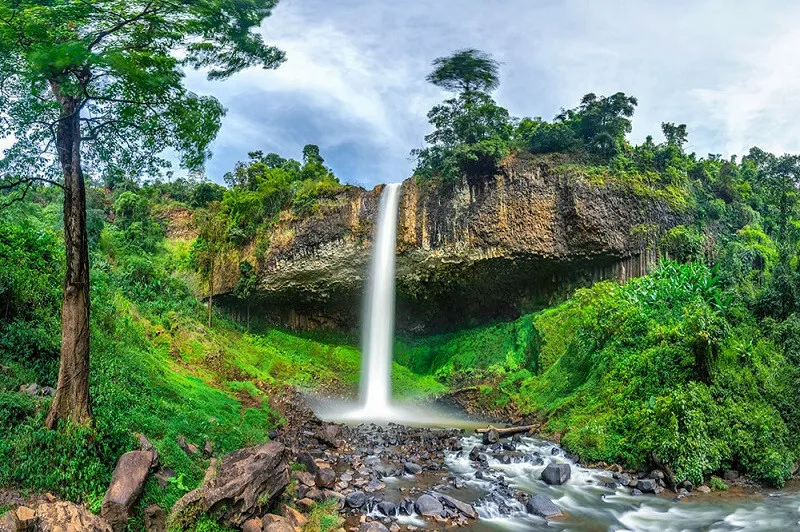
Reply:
x=542, y=506
x=412, y=468
x=356, y=499
x=556, y=474
x=126, y=486
x=647, y=485
x=372, y=526
x=636, y=492
x=325, y=478
x=308, y=461
x=428, y=506
x=387, y=508
x=730, y=474
x=462, y=507
x=475, y=453
x=491, y=436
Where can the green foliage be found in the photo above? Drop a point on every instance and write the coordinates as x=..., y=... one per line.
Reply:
x=324, y=517
x=683, y=244
x=717, y=484
x=114, y=63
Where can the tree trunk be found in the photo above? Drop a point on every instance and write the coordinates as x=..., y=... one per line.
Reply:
x=210, y=292
x=248, y=317
x=71, y=399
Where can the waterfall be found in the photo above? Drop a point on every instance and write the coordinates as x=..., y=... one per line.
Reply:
x=378, y=321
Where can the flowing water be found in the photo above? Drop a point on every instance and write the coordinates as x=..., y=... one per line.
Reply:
x=378, y=323
x=589, y=504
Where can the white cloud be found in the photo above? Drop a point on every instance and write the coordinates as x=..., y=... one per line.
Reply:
x=354, y=79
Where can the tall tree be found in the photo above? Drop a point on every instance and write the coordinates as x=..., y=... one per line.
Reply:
x=466, y=71
x=212, y=241
x=99, y=85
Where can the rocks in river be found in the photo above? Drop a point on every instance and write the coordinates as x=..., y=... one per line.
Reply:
x=542, y=506
x=475, y=453
x=241, y=482
x=491, y=436
x=687, y=485
x=126, y=486
x=428, y=506
x=647, y=485
x=325, y=478
x=462, y=507
x=406, y=506
x=703, y=489
x=373, y=526
x=387, y=508
x=556, y=474
x=356, y=499
x=657, y=474
x=635, y=492
x=623, y=479
x=412, y=468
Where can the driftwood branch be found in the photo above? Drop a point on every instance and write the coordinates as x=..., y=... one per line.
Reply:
x=508, y=431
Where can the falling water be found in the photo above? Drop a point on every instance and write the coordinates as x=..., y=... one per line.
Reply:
x=378, y=323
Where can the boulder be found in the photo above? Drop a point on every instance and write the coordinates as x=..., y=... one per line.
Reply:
x=556, y=474
x=305, y=478
x=372, y=526
x=356, y=499
x=238, y=484
x=325, y=478
x=387, y=508
x=703, y=489
x=10, y=523
x=460, y=506
x=429, y=506
x=155, y=519
x=475, y=453
x=278, y=526
x=26, y=516
x=491, y=436
x=293, y=517
x=647, y=485
x=542, y=506
x=253, y=525
x=308, y=461
x=126, y=486
x=330, y=434
x=208, y=448
x=62, y=516
x=411, y=468
x=730, y=474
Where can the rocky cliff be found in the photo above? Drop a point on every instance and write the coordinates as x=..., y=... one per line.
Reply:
x=468, y=252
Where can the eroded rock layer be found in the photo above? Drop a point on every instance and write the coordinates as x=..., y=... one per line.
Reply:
x=468, y=252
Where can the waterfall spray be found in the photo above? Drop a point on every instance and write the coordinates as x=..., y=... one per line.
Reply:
x=378, y=322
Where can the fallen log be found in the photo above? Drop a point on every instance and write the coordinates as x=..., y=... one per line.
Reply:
x=508, y=431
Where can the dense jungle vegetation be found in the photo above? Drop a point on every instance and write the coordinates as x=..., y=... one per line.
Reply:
x=697, y=363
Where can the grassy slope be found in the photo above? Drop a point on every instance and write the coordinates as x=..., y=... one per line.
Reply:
x=614, y=372
x=157, y=369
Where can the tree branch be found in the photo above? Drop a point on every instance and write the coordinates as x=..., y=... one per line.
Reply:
x=119, y=25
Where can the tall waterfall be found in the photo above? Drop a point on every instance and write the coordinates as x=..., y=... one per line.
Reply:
x=378, y=322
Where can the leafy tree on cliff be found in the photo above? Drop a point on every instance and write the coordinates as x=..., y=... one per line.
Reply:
x=471, y=132
x=207, y=250
x=99, y=85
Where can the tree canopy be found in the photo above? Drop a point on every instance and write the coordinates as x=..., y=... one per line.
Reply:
x=466, y=71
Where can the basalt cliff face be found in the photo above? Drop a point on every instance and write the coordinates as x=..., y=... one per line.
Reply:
x=467, y=252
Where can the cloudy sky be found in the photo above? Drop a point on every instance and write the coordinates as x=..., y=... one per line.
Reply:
x=354, y=79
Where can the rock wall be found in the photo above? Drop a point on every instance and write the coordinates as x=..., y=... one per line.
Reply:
x=468, y=252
